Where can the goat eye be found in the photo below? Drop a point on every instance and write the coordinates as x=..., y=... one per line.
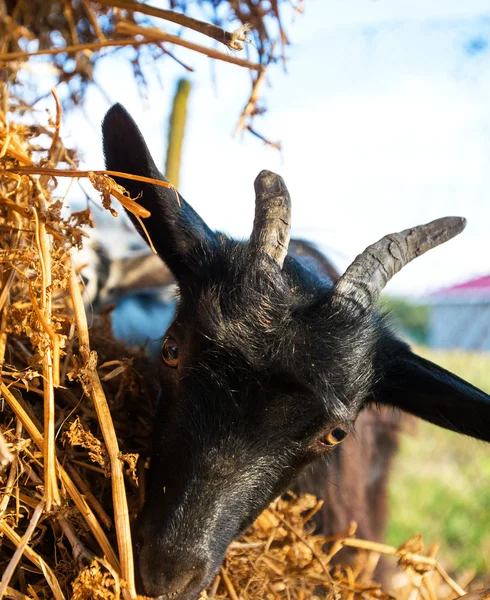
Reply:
x=335, y=436
x=170, y=352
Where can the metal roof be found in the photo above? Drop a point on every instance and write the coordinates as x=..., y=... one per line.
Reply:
x=473, y=290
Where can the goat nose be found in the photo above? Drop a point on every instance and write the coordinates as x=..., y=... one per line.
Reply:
x=166, y=575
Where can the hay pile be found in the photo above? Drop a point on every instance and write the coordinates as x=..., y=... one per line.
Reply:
x=75, y=422
x=67, y=38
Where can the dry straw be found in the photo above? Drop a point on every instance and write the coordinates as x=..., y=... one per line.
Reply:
x=249, y=34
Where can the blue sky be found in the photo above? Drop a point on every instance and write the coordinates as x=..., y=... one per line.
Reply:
x=384, y=116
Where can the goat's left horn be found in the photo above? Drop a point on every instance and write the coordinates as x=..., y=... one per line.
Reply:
x=272, y=222
x=366, y=277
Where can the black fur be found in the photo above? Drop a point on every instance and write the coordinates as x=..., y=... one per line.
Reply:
x=267, y=366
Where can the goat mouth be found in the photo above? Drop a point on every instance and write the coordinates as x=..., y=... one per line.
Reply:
x=189, y=591
x=171, y=595
x=175, y=594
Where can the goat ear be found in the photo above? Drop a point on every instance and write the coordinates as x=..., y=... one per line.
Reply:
x=424, y=389
x=174, y=227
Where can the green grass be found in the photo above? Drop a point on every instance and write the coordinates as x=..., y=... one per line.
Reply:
x=441, y=481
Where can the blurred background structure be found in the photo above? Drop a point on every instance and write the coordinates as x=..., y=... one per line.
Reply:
x=460, y=316
x=378, y=118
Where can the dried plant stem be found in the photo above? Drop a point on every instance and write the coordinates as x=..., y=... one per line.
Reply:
x=342, y=534
x=12, y=476
x=69, y=19
x=6, y=288
x=115, y=576
x=448, y=580
x=41, y=316
x=9, y=486
x=426, y=577
x=6, y=457
x=121, y=513
x=251, y=103
x=91, y=499
x=10, y=56
x=477, y=595
x=131, y=205
x=21, y=385
x=302, y=539
x=73, y=173
x=214, y=588
x=275, y=145
x=89, y=516
x=416, y=581
x=229, y=585
x=15, y=595
x=466, y=578
x=212, y=31
x=3, y=336
x=48, y=367
x=312, y=512
x=18, y=155
x=14, y=561
x=79, y=550
x=35, y=559
x=406, y=556
x=5, y=295
x=157, y=36
x=88, y=466
x=56, y=133
x=70, y=487
x=93, y=20
x=24, y=213
x=153, y=34
x=429, y=587
x=28, y=500
x=390, y=550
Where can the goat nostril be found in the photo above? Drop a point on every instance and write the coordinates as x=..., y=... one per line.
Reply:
x=171, y=577
x=180, y=582
x=165, y=586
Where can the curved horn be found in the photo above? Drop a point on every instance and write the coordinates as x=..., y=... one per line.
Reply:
x=370, y=272
x=272, y=223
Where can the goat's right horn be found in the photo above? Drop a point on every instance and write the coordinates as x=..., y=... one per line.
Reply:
x=272, y=223
x=366, y=277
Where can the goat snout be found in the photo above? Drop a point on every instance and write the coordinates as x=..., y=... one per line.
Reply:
x=170, y=574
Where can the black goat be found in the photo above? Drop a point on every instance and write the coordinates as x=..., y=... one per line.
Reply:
x=355, y=483
x=265, y=368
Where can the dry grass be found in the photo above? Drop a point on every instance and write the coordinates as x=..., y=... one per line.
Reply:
x=68, y=37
